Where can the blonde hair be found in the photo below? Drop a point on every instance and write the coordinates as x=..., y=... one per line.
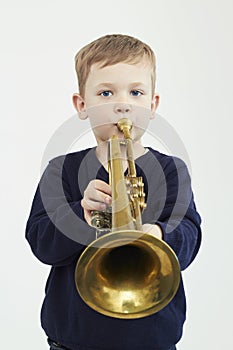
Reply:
x=109, y=50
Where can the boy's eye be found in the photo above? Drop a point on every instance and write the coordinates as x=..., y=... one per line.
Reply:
x=136, y=93
x=106, y=93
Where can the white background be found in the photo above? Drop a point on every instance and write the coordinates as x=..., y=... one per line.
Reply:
x=193, y=44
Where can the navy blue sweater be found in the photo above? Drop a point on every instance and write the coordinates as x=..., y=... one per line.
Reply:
x=57, y=233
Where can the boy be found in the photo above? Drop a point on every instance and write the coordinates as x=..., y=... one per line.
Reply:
x=116, y=73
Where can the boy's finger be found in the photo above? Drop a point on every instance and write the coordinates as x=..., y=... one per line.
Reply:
x=102, y=186
x=96, y=196
x=102, y=197
x=92, y=205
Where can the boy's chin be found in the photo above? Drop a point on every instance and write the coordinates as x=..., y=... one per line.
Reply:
x=107, y=133
x=136, y=134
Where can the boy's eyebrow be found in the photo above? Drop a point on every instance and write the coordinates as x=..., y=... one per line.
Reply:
x=104, y=85
x=138, y=83
x=107, y=84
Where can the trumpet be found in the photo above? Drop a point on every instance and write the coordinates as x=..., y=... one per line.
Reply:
x=126, y=273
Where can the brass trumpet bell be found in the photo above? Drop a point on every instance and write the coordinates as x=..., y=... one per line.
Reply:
x=127, y=274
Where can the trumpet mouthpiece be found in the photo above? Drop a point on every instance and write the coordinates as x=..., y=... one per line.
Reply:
x=124, y=123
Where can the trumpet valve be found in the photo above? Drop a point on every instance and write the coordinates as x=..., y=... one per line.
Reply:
x=101, y=219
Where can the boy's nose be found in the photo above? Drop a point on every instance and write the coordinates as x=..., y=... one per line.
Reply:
x=122, y=108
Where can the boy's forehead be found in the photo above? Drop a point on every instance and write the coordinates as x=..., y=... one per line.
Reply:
x=140, y=70
x=142, y=64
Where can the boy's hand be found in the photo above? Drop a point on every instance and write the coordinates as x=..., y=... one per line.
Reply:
x=154, y=230
x=97, y=196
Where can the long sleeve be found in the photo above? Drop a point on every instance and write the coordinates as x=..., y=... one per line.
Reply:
x=179, y=219
x=56, y=230
x=171, y=206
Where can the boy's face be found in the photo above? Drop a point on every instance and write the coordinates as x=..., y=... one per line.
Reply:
x=113, y=92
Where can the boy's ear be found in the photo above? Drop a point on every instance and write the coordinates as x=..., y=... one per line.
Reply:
x=154, y=105
x=79, y=105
